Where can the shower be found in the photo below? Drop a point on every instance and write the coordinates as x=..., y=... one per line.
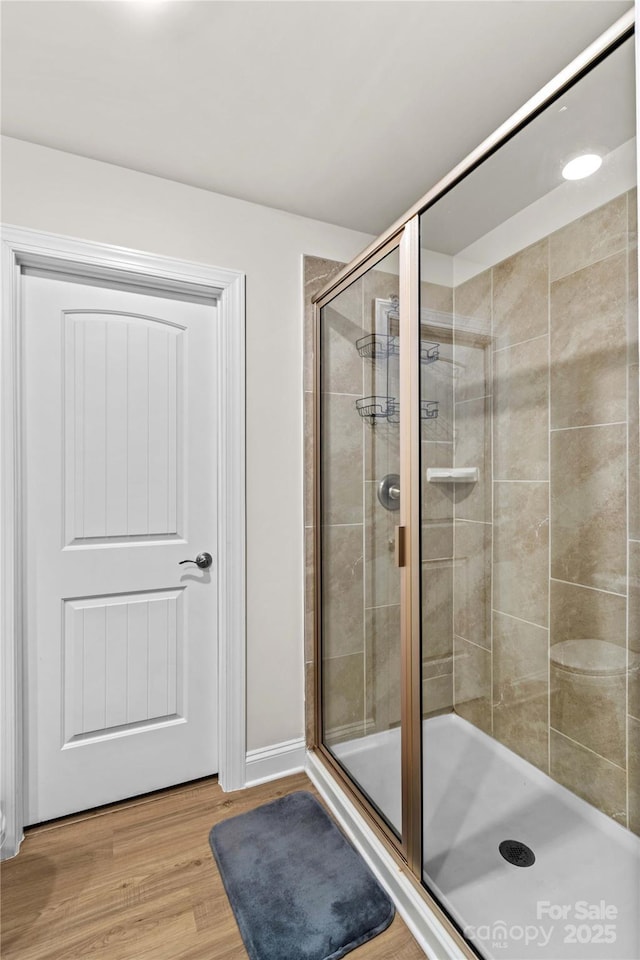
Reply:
x=473, y=654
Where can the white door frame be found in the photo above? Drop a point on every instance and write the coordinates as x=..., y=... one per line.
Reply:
x=23, y=247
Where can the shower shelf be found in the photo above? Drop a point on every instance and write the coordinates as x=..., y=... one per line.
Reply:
x=388, y=408
x=429, y=351
x=429, y=409
x=379, y=346
x=379, y=408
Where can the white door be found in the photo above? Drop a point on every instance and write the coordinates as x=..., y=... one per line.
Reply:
x=120, y=440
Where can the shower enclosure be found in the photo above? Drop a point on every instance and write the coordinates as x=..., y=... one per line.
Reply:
x=477, y=530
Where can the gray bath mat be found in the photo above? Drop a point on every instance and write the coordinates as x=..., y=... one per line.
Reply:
x=297, y=887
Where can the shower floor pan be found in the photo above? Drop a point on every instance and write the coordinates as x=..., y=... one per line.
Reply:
x=579, y=900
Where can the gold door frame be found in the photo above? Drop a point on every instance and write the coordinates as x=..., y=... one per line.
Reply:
x=407, y=851
x=404, y=234
x=407, y=242
x=394, y=243
x=410, y=573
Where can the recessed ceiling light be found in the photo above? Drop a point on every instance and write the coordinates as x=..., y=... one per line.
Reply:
x=582, y=166
x=146, y=6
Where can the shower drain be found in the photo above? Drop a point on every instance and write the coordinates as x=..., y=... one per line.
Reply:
x=519, y=854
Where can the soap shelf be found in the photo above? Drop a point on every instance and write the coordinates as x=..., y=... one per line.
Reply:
x=388, y=408
x=429, y=351
x=379, y=408
x=379, y=346
x=429, y=409
x=452, y=475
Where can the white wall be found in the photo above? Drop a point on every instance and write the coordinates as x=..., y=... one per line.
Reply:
x=60, y=193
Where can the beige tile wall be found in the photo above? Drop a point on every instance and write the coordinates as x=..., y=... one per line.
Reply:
x=633, y=486
x=382, y=577
x=436, y=303
x=557, y=553
x=473, y=541
x=316, y=273
x=361, y=595
x=361, y=581
x=542, y=396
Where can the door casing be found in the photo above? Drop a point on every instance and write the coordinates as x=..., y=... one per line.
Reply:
x=64, y=255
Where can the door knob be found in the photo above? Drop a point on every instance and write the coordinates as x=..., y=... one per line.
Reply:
x=203, y=560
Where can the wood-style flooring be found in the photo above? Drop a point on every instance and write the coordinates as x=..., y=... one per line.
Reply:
x=137, y=881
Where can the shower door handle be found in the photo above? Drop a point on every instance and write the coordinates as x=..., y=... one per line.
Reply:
x=400, y=546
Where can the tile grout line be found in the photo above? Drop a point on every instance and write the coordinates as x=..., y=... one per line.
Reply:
x=530, y=623
x=363, y=442
x=549, y=644
x=593, y=754
x=518, y=343
x=588, y=426
x=628, y=557
x=585, y=586
x=491, y=431
x=473, y=643
x=518, y=481
x=591, y=263
x=454, y=394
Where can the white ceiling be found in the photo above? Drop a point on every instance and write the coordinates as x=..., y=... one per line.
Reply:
x=343, y=111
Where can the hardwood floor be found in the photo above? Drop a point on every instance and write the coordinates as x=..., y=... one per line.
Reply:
x=137, y=881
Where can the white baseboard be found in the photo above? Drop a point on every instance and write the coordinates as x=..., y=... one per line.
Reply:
x=279, y=760
x=432, y=937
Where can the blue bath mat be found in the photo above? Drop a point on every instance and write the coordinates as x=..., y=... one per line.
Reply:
x=298, y=889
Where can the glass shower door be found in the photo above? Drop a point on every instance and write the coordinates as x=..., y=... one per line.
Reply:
x=360, y=501
x=531, y=537
x=477, y=392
